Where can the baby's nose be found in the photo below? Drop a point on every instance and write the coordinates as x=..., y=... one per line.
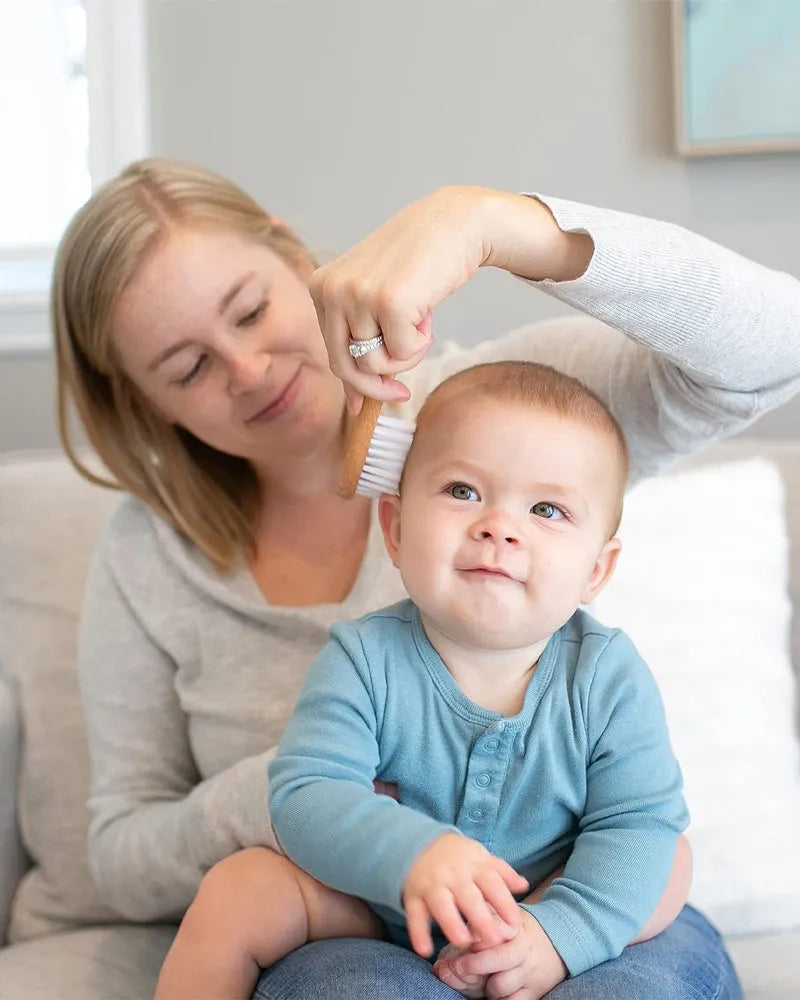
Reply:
x=497, y=527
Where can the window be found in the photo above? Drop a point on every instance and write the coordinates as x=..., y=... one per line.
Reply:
x=74, y=110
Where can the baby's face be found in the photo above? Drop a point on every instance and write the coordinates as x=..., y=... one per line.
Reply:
x=502, y=529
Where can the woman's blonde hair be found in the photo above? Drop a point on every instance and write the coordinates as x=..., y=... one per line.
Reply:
x=207, y=495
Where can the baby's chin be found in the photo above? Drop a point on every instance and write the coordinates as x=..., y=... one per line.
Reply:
x=489, y=635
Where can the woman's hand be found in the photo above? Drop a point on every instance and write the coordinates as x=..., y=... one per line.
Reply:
x=390, y=282
x=459, y=884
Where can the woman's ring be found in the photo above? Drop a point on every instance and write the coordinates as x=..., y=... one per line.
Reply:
x=357, y=348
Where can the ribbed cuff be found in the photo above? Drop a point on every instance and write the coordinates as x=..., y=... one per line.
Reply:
x=568, y=937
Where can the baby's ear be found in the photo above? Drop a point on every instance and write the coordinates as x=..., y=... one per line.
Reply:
x=603, y=570
x=389, y=507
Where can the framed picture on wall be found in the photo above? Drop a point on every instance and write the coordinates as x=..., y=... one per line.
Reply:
x=737, y=76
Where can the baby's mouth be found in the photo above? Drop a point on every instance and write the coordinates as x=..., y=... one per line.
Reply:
x=489, y=572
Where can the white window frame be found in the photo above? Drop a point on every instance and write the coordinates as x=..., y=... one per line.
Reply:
x=119, y=102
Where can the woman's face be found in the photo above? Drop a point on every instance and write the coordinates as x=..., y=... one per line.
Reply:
x=220, y=334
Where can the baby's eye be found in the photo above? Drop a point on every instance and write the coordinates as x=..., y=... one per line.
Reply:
x=462, y=491
x=548, y=511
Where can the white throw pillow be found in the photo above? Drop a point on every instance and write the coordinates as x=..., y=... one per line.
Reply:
x=702, y=590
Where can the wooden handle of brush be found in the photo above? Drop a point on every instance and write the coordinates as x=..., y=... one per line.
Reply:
x=359, y=437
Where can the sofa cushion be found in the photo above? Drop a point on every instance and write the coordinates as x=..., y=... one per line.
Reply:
x=768, y=966
x=702, y=589
x=786, y=457
x=12, y=858
x=50, y=520
x=94, y=962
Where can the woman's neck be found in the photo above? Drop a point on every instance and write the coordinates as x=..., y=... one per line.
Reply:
x=307, y=476
x=310, y=551
x=310, y=543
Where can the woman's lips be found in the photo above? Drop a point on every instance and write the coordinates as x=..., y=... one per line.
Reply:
x=279, y=405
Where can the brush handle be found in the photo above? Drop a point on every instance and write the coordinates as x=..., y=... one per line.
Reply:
x=359, y=437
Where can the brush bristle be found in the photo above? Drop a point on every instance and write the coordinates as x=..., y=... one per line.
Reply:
x=386, y=457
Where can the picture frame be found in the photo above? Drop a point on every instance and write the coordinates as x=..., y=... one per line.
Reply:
x=736, y=70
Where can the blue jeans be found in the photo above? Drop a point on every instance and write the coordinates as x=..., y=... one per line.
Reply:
x=687, y=961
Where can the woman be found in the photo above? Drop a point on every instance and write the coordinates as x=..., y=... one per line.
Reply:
x=190, y=346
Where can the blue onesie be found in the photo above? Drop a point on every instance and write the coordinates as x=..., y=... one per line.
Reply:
x=583, y=774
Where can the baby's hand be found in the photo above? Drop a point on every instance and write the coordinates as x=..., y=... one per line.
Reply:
x=471, y=986
x=456, y=881
x=468, y=985
x=526, y=966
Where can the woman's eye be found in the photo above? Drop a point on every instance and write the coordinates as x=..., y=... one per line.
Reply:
x=461, y=491
x=548, y=511
x=193, y=372
x=253, y=316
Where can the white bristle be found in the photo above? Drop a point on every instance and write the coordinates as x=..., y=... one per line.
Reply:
x=386, y=457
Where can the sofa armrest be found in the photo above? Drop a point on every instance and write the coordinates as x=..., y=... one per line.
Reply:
x=13, y=860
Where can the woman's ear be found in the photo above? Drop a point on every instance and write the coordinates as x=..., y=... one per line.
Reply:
x=389, y=507
x=603, y=570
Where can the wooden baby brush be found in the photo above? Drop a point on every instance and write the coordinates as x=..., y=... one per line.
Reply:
x=377, y=445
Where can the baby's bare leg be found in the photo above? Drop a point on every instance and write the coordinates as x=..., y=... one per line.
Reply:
x=250, y=910
x=674, y=896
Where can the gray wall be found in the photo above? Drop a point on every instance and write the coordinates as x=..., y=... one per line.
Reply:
x=335, y=113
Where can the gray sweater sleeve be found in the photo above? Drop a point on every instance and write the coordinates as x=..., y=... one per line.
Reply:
x=684, y=340
x=730, y=322
x=713, y=339
x=156, y=827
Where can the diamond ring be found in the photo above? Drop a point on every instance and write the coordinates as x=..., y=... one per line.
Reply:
x=357, y=348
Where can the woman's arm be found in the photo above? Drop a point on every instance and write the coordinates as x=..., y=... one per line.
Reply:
x=713, y=339
x=156, y=828
x=731, y=322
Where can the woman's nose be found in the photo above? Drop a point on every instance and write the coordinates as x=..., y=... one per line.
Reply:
x=496, y=526
x=246, y=369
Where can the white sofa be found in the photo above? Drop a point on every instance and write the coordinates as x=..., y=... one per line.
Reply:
x=59, y=940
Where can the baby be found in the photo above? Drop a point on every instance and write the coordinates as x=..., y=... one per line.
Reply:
x=536, y=826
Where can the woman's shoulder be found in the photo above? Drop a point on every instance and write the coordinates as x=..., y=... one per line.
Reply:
x=151, y=562
x=135, y=542
x=129, y=527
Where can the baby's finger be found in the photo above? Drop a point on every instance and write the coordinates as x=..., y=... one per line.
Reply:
x=497, y=893
x=502, y=957
x=508, y=985
x=418, y=922
x=479, y=914
x=514, y=881
x=446, y=913
x=467, y=986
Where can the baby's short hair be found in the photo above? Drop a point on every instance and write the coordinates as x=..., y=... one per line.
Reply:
x=528, y=383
